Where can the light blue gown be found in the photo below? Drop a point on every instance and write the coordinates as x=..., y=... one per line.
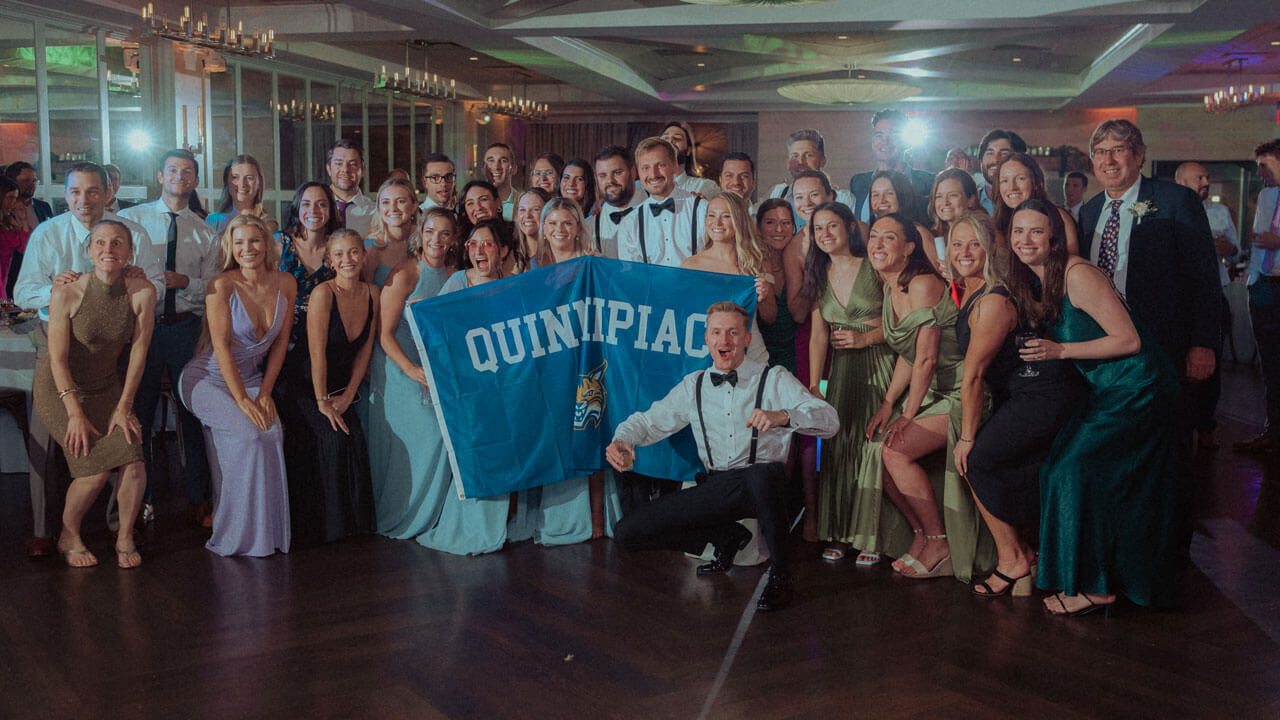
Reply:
x=407, y=458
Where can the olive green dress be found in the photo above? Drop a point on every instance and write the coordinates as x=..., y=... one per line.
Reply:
x=960, y=516
x=100, y=330
x=847, y=510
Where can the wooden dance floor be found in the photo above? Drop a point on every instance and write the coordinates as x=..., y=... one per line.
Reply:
x=375, y=628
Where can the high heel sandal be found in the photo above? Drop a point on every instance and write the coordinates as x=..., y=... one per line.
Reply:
x=1105, y=607
x=1019, y=586
x=906, y=559
x=919, y=572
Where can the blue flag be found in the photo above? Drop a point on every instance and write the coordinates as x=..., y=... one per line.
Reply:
x=532, y=373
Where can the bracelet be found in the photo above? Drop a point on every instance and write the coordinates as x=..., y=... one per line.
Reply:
x=68, y=391
x=965, y=440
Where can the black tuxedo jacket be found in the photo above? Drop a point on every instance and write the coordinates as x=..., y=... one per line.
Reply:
x=43, y=211
x=1172, y=282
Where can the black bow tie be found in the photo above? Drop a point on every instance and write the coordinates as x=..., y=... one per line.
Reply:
x=730, y=377
x=617, y=215
x=669, y=205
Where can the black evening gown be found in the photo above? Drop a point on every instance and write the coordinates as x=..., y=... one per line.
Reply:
x=330, y=492
x=1014, y=440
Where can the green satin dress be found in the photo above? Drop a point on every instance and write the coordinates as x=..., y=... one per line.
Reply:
x=848, y=511
x=972, y=552
x=1110, y=485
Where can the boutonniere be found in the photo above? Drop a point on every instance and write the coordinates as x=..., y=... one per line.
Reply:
x=1143, y=208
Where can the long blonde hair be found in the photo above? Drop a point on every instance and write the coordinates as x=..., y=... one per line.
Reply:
x=378, y=229
x=747, y=242
x=995, y=271
x=226, y=257
x=545, y=256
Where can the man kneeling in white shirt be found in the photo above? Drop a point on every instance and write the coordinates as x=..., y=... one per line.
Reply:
x=753, y=411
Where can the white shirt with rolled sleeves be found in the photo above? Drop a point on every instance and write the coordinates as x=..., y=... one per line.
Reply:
x=726, y=409
x=360, y=213
x=605, y=230
x=669, y=237
x=1222, y=226
x=197, y=256
x=62, y=243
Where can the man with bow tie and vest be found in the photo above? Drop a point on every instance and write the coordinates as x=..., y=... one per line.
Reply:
x=743, y=415
x=668, y=227
x=616, y=188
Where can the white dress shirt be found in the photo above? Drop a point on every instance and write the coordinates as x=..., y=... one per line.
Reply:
x=605, y=230
x=726, y=409
x=428, y=204
x=669, y=237
x=1075, y=209
x=197, y=256
x=509, y=206
x=1127, y=201
x=360, y=213
x=62, y=243
x=1222, y=226
x=705, y=187
x=1266, y=219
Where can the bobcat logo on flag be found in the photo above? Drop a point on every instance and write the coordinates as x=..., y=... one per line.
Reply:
x=591, y=398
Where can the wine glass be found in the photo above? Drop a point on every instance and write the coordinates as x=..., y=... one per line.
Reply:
x=1022, y=338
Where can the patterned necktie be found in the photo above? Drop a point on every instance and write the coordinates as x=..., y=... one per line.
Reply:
x=618, y=215
x=1107, y=252
x=342, y=211
x=669, y=205
x=171, y=265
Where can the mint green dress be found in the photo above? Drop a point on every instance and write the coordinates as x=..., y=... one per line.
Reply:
x=848, y=511
x=1109, y=488
x=960, y=516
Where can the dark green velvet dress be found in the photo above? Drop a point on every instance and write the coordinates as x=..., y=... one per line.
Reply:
x=1110, y=485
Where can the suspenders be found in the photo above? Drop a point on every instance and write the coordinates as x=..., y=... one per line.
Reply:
x=644, y=252
x=693, y=227
x=755, y=433
x=598, y=214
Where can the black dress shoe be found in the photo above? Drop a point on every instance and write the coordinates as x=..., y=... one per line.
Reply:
x=725, y=553
x=777, y=592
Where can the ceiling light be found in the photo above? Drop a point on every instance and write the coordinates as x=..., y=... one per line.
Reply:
x=915, y=132
x=473, y=58
x=1237, y=95
x=848, y=91
x=702, y=64
x=1017, y=59
x=699, y=88
x=1275, y=42
x=842, y=37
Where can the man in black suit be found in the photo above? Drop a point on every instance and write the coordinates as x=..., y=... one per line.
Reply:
x=24, y=173
x=1152, y=237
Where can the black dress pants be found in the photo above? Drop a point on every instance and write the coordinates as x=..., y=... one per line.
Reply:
x=687, y=520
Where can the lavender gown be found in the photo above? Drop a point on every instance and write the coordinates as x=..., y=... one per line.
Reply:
x=250, y=497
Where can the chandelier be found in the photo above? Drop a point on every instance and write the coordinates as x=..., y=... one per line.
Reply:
x=1234, y=97
x=425, y=85
x=199, y=33
x=297, y=113
x=516, y=107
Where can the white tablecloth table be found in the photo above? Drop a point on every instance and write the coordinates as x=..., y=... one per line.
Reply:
x=17, y=368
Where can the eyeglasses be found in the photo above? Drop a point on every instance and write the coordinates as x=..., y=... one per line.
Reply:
x=543, y=173
x=481, y=245
x=440, y=178
x=1099, y=153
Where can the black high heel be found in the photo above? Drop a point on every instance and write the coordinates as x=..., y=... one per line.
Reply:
x=1019, y=586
